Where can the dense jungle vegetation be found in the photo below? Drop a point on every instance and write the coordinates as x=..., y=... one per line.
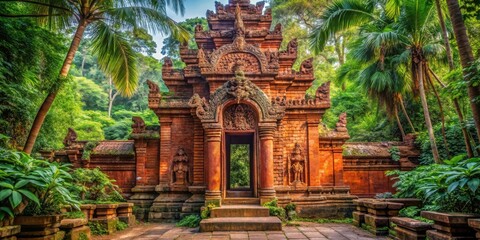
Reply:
x=396, y=67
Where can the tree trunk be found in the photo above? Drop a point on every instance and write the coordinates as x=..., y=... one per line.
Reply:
x=442, y=114
x=402, y=104
x=47, y=103
x=426, y=113
x=111, y=96
x=448, y=49
x=458, y=109
x=466, y=57
x=399, y=123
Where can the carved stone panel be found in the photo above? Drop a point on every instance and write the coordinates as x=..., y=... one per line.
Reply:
x=239, y=117
x=180, y=168
x=296, y=166
x=227, y=63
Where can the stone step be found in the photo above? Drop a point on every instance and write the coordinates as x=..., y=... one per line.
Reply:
x=241, y=224
x=241, y=201
x=239, y=211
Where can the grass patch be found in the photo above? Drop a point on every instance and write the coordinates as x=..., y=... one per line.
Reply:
x=191, y=221
x=82, y=236
x=120, y=225
x=97, y=228
x=275, y=210
x=73, y=215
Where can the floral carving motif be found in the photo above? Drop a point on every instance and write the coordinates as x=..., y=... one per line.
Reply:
x=291, y=48
x=180, y=168
x=239, y=117
x=228, y=62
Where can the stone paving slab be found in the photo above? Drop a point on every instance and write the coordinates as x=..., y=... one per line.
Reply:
x=312, y=231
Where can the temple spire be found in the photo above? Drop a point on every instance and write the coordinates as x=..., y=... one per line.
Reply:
x=239, y=29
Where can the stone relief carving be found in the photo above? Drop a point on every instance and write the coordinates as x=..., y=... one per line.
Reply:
x=153, y=87
x=180, y=168
x=291, y=48
x=239, y=87
x=341, y=125
x=70, y=138
x=307, y=67
x=154, y=95
x=272, y=59
x=219, y=8
x=222, y=95
x=200, y=104
x=227, y=62
x=138, y=125
x=278, y=29
x=239, y=117
x=323, y=92
x=198, y=28
x=296, y=166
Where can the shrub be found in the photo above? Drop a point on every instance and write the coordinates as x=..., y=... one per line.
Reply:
x=452, y=186
x=394, y=153
x=206, y=210
x=38, y=185
x=92, y=185
x=97, y=228
x=275, y=210
x=291, y=207
x=120, y=225
x=190, y=221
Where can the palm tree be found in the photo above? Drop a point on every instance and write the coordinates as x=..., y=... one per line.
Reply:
x=408, y=38
x=466, y=57
x=103, y=20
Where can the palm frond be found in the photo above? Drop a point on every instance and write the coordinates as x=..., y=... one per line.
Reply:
x=115, y=57
x=339, y=16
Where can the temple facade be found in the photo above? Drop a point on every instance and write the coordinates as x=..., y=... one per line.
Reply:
x=238, y=89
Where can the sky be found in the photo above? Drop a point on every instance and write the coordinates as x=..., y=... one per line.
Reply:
x=193, y=8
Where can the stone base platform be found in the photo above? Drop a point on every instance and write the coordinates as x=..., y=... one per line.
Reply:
x=239, y=211
x=241, y=224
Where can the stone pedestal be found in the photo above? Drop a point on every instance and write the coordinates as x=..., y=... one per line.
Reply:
x=359, y=213
x=449, y=226
x=75, y=229
x=410, y=229
x=88, y=210
x=377, y=215
x=125, y=213
x=143, y=197
x=475, y=224
x=9, y=232
x=106, y=216
x=39, y=227
x=167, y=207
x=193, y=204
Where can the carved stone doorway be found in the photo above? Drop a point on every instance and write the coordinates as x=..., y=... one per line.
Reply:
x=240, y=162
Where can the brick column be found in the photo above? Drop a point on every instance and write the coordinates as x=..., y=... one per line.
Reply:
x=213, y=133
x=140, y=160
x=267, y=191
x=313, y=153
x=165, y=150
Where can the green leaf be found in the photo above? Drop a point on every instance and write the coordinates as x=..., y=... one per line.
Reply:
x=452, y=187
x=7, y=210
x=21, y=183
x=6, y=185
x=15, y=199
x=5, y=193
x=29, y=195
x=473, y=184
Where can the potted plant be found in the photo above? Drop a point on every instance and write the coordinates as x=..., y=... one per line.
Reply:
x=36, y=190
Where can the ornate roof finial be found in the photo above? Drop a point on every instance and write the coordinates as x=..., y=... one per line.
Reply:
x=239, y=27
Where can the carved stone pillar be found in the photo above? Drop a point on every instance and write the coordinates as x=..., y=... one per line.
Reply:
x=213, y=133
x=313, y=153
x=140, y=159
x=266, y=133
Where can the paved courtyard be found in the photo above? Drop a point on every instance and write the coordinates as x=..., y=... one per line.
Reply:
x=302, y=231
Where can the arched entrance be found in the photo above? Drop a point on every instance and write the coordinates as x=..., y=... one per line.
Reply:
x=240, y=124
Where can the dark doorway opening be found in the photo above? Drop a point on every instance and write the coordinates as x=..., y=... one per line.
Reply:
x=240, y=165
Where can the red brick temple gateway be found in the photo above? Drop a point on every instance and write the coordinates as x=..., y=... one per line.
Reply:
x=239, y=88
